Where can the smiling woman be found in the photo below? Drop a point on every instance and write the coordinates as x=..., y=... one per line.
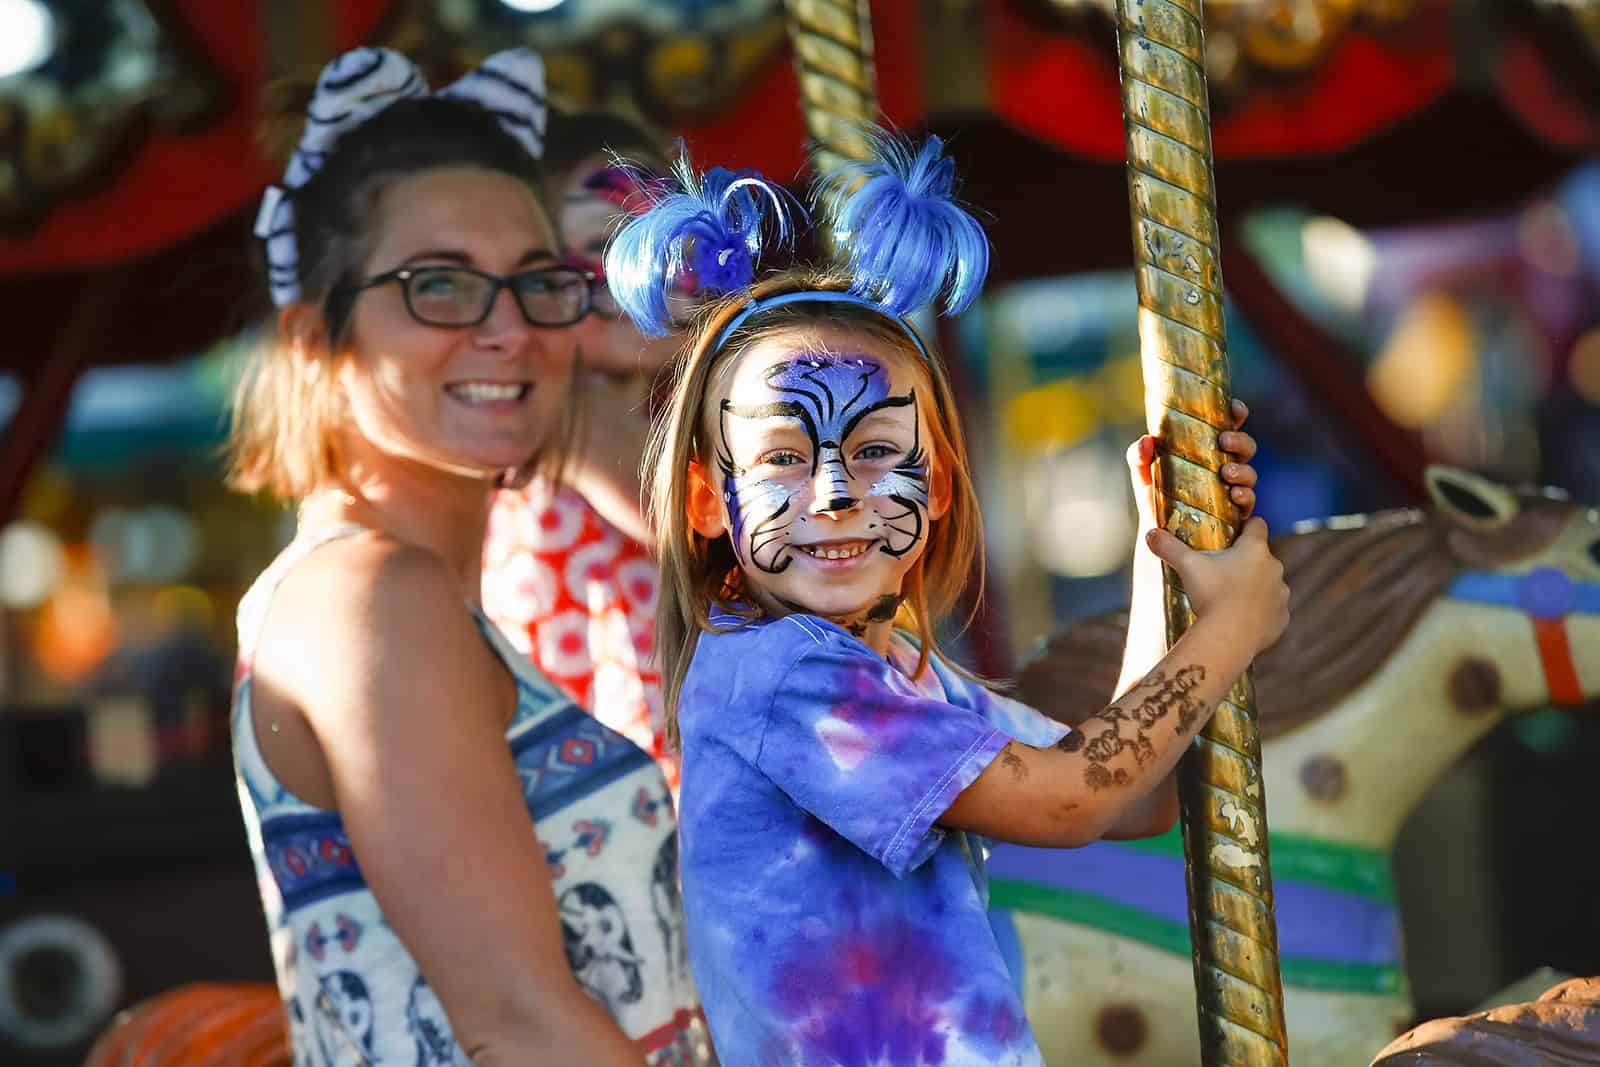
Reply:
x=387, y=738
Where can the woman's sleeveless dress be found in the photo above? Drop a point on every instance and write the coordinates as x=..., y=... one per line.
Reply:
x=603, y=818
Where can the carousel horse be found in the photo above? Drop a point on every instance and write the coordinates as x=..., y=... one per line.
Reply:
x=1560, y=1029
x=1413, y=634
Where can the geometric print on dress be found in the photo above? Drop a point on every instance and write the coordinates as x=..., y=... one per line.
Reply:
x=590, y=836
x=346, y=934
x=310, y=858
x=567, y=756
x=647, y=806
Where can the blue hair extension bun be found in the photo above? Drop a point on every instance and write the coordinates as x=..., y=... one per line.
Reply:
x=905, y=239
x=708, y=231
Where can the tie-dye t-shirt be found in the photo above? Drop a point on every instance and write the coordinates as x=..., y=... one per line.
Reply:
x=831, y=922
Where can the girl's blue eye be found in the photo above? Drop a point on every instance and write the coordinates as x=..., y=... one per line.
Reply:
x=784, y=459
x=871, y=452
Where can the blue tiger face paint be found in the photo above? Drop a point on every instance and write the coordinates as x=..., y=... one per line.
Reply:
x=821, y=466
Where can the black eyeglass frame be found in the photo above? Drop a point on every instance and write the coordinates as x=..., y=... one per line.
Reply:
x=342, y=297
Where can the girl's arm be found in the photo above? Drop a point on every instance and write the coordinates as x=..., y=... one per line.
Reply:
x=1094, y=781
x=1147, y=626
x=402, y=709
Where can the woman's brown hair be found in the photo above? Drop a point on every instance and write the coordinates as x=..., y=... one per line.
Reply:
x=287, y=405
x=698, y=573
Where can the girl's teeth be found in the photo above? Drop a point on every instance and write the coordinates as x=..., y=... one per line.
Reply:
x=483, y=392
x=838, y=553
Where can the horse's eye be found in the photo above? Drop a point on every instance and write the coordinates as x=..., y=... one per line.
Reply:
x=1466, y=501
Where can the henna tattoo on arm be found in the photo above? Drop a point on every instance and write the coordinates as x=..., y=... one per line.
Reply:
x=1170, y=694
x=1013, y=763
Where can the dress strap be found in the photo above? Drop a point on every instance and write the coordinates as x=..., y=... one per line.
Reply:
x=253, y=606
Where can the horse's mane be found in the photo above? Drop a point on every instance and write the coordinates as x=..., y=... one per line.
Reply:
x=1357, y=586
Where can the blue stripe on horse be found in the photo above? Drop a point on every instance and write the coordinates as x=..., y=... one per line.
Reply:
x=1545, y=593
x=1316, y=922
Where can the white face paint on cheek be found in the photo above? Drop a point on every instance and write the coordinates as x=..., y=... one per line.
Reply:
x=760, y=513
x=900, y=501
x=900, y=498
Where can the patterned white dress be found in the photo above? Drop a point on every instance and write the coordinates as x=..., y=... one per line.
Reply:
x=602, y=816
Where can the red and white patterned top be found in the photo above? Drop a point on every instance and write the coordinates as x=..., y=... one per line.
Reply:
x=578, y=597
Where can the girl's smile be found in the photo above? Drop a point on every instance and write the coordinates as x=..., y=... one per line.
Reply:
x=837, y=552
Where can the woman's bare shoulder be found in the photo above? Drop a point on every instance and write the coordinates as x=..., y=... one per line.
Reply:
x=370, y=610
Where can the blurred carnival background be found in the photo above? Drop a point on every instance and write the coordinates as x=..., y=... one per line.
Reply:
x=1410, y=209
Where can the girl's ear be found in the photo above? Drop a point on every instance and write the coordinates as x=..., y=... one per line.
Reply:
x=938, y=488
x=705, y=508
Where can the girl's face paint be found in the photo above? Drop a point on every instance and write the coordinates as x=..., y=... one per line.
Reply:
x=822, y=473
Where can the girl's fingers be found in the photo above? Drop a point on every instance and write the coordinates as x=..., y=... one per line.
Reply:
x=1240, y=410
x=1238, y=474
x=1244, y=498
x=1237, y=444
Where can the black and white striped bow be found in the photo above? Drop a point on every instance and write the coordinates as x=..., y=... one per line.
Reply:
x=358, y=85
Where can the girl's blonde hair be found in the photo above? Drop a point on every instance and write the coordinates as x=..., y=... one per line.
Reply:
x=698, y=572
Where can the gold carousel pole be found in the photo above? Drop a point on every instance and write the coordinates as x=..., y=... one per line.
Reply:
x=1184, y=351
x=838, y=88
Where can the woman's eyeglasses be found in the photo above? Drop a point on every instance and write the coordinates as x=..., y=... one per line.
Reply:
x=458, y=297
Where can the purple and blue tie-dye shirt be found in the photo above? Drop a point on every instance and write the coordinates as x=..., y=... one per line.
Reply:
x=831, y=922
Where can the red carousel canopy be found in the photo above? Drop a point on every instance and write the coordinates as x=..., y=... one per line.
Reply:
x=124, y=227
x=1050, y=77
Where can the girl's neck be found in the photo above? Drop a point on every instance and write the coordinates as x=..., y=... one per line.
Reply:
x=446, y=513
x=873, y=625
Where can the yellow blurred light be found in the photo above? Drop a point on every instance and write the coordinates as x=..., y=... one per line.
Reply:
x=1585, y=367
x=1051, y=416
x=1430, y=354
x=1121, y=380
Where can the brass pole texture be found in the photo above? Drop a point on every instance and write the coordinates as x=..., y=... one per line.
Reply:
x=838, y=87
x=1184, y=351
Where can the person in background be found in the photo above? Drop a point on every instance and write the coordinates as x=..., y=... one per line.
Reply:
x=568, y=575
x=453, y=859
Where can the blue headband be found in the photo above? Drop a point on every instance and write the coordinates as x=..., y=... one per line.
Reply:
x=896, y=233
x=757, y=305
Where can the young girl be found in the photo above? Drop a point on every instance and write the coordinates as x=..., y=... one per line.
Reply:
x=815, y=510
